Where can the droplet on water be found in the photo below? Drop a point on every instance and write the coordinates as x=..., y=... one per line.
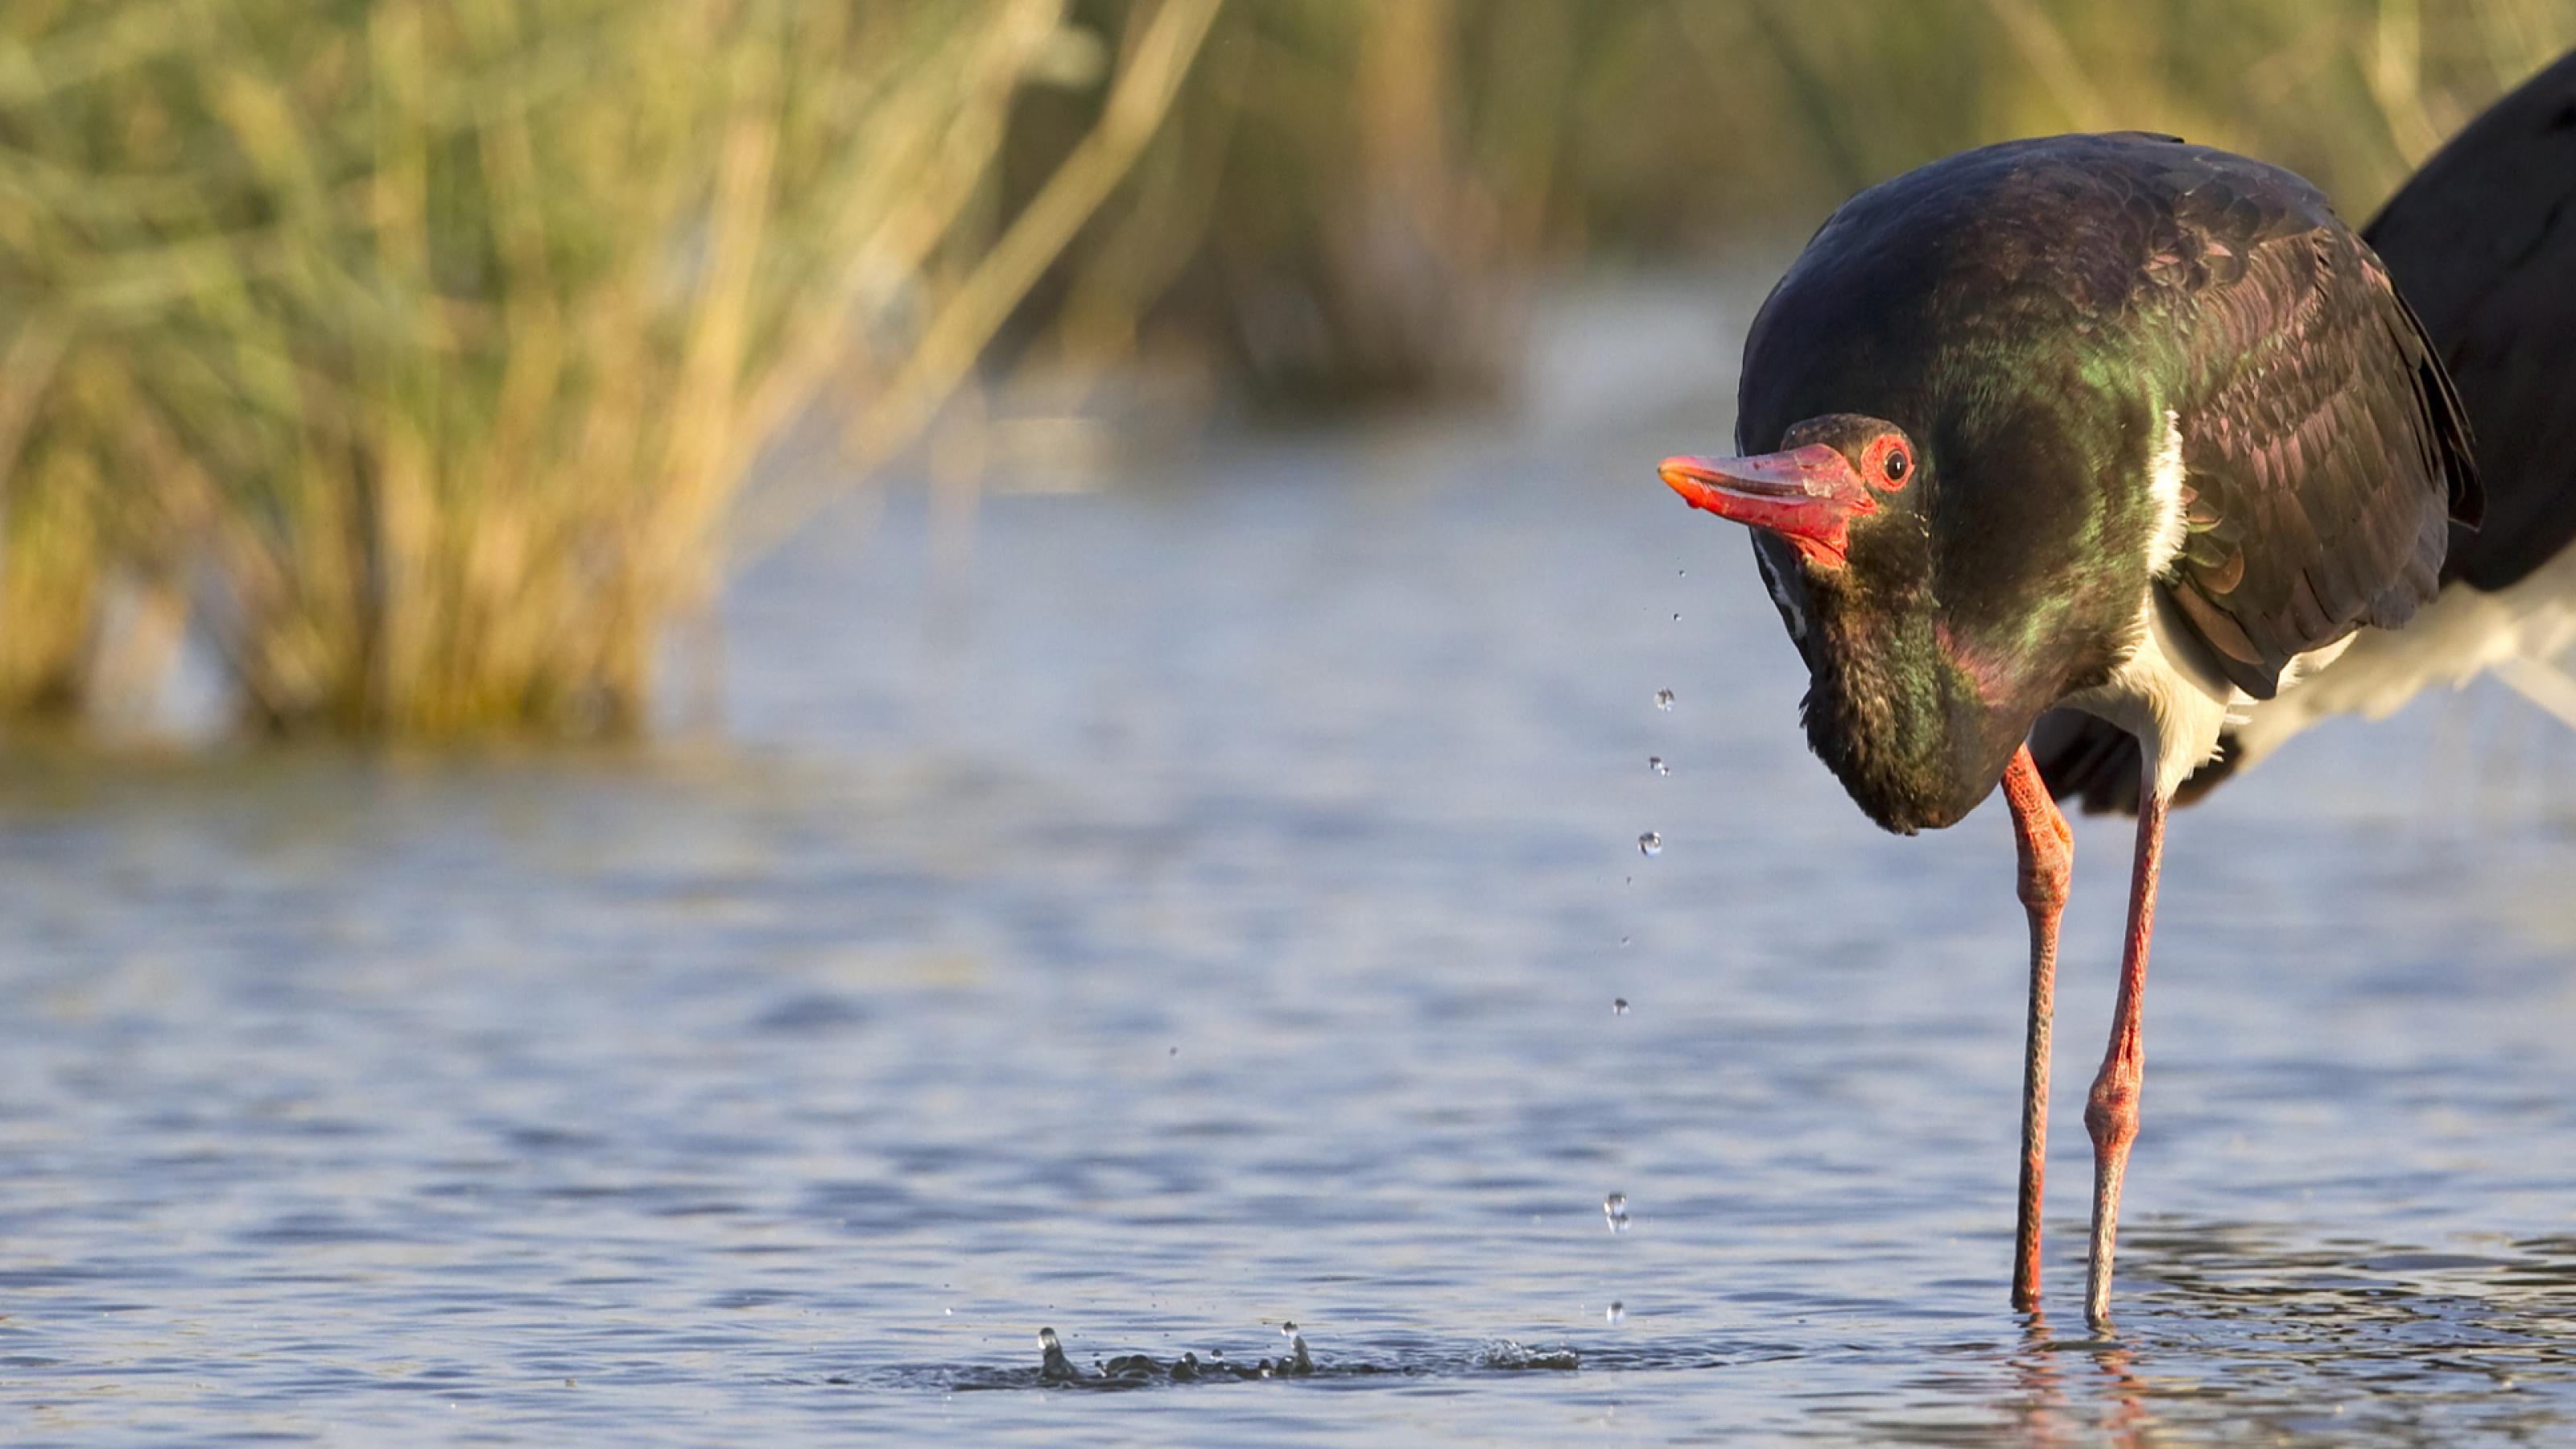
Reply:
x=1650, y=843
x=1656, y=764
x=1615, y=1312
x=1663, y=699
x=1619, y=1006
x=1615, y=1208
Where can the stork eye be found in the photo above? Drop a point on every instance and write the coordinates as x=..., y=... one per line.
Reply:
x=1896, y=465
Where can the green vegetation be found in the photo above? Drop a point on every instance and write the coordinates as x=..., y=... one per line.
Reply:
x=415, y=353
x=1351, y=196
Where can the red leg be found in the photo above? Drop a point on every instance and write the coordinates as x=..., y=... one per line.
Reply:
x=2047, y=850
x=2111, y=1113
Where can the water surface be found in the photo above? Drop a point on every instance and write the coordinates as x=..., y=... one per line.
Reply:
x=1203, y=910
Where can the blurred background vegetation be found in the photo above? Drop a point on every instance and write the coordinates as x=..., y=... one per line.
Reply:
x=427, y=363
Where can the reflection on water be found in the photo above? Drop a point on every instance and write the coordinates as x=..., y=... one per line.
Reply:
x=1208, y=930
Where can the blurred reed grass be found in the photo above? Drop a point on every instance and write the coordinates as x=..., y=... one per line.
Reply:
x=1352, y=198
x=414, y=354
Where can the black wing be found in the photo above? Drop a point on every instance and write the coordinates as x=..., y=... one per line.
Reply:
x=2483, y=241
x=2324, y=462
x=2323, y=449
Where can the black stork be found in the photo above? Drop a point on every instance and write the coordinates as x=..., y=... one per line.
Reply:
x=2109, y=423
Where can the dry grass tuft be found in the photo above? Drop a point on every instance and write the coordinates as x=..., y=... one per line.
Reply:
x=419, y=349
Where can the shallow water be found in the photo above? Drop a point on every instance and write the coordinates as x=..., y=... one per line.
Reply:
x=1204, y=912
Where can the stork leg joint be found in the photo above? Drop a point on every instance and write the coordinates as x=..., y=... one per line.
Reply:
x=2048, y=860
x=2111, y=1111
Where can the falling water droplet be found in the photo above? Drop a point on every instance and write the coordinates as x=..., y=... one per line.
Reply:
x=1615, y=1208
x=1623, y=940
x=1650, y=843
x=1615, y=1312
x=1677, y=618
x=1681, y=573
x=1047, y=1339
x=1656, y=764
x=1619, y=1006
x=1288, y=1330
x=1663, y=699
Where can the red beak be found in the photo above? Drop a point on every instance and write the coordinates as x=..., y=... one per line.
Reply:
x=1807, y=495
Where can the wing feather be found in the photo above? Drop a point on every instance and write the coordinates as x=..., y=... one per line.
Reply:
x=2482, y=243
x=2322, y=447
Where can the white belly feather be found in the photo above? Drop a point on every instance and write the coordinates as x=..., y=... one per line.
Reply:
x=2169, y=693
x=2450, y=641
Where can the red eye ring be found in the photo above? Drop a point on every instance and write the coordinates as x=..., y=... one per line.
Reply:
x=1896, y=464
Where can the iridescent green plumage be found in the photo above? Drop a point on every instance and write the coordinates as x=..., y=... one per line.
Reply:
x=2042, y=317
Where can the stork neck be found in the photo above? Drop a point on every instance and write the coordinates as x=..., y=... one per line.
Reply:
x=1901, y=721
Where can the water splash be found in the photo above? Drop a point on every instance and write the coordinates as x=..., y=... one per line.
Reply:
x=1511, y=1357
x=1137, y=1370
x=1054, y=1367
